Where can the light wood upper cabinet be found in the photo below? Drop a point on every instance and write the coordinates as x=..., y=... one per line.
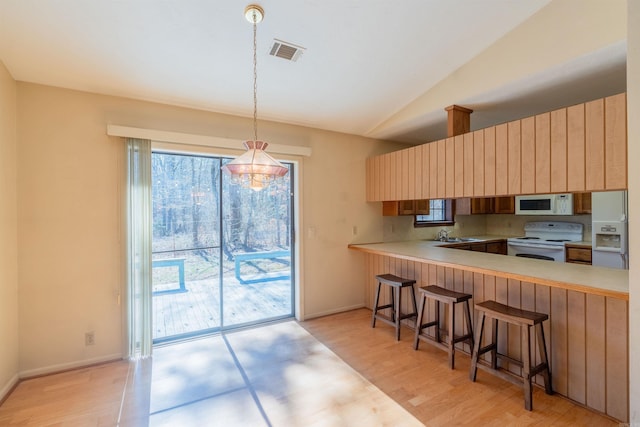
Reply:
x=441, y=165
x=424, y=171
x=543, y=153
x=468, y=164
x=528, y=151
x=594, y=145
x=581, y=148
x=513, y=154
x=559, y=150
x=434, y=181
x=615, y=142
x=458, y=165
x=490, y=161
x=575, y=148
x=449, y=168
x=502, y=160
x=478, y=163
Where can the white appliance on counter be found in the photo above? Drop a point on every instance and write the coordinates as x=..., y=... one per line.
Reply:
x=609, y=232
x=545, y=204
x=545, y=240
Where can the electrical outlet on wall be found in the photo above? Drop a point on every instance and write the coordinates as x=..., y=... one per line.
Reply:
x=89, y=338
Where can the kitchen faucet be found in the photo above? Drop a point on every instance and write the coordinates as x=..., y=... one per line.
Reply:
x=443, y=235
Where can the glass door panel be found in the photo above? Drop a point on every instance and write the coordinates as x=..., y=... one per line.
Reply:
x=185, y=245
x=257, y=262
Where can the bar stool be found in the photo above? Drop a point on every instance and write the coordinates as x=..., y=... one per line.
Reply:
x=451, y=298
x=525, y=319
x=395, y=284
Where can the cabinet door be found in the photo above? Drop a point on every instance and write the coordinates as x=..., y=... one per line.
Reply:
x=502, y=161
x=405, y=181
x=594, y=145
x=615, y=142
x=418, y=175
x=515, y=161
x=478, y=163
x=497, y=247
x=528, y=149
x=504, y=205
x=406, y=207
x=482, y=205
x=458, y=165
x=575, y=148
x=449, y=168
x=543, y=153
x=581, y=203
x=369, y=179
x=468, y=164
x=479, y=247
x=389, y=177
x=559, y=150
x=490, y=161
x=421, y=207
x=434, y=172
x=426, y=172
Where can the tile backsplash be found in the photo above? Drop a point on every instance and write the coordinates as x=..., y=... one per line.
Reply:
x=401, y=228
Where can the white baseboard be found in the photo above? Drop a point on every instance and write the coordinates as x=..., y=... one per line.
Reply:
x=337, y=310
x=4, y=391
x=67, y=366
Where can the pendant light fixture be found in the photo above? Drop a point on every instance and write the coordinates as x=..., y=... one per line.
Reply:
x=255, y=168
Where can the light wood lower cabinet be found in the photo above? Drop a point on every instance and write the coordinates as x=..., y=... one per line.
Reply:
x=587, y=334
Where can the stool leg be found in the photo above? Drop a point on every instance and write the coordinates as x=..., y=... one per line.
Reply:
x=469, y=325
x=542, y=348
x=526, y=367
x=398, y=308
x=413, y=299
x=452, y=329
x=393, y=304
x=494, y=340
x=476, y=347
x=416, y=339
x=437, y=310
x=375, y=306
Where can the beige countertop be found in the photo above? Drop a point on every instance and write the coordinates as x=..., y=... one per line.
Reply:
x=584, y=278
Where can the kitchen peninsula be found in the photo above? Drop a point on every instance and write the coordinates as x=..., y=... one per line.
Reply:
x=587, y=307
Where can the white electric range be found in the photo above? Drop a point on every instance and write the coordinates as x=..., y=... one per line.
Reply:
x=545, y=240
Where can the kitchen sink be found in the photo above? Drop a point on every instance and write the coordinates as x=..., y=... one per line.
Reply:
x=459, y=240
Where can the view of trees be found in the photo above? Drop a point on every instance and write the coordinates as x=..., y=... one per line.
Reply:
x=187, y=191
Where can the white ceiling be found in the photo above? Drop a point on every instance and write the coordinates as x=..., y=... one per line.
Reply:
x=364, y=60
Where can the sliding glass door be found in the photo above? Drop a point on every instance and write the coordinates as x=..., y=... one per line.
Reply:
x=221, y=253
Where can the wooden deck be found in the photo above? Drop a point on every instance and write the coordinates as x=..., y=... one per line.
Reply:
x=198, y=309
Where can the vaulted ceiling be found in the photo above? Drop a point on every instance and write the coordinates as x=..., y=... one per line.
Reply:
x=369, y=68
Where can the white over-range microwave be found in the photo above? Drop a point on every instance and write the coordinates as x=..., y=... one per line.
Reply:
x=545, y=204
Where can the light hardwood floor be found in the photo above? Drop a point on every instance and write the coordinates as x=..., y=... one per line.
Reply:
x=282, y=375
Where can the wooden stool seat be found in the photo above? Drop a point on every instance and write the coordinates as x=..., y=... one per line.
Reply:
x=525, y=319
x=395, y=284
x=451, y=298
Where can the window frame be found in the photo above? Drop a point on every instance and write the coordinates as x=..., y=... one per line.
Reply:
x=449, y=216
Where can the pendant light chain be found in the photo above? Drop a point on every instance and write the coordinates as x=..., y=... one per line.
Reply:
x=255, y=78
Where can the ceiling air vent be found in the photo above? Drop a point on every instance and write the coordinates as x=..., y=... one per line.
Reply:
x=285, y=50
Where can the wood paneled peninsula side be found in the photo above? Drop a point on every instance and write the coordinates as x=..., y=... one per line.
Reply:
x=588, y=308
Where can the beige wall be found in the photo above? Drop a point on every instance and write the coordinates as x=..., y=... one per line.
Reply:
x=70, y=256
x=8, y=234
x=561, y=32
x=633, y=129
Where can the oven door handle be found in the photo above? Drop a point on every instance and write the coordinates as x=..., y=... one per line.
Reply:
x=533, y=245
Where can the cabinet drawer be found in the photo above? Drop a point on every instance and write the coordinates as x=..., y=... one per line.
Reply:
x=580, y=255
